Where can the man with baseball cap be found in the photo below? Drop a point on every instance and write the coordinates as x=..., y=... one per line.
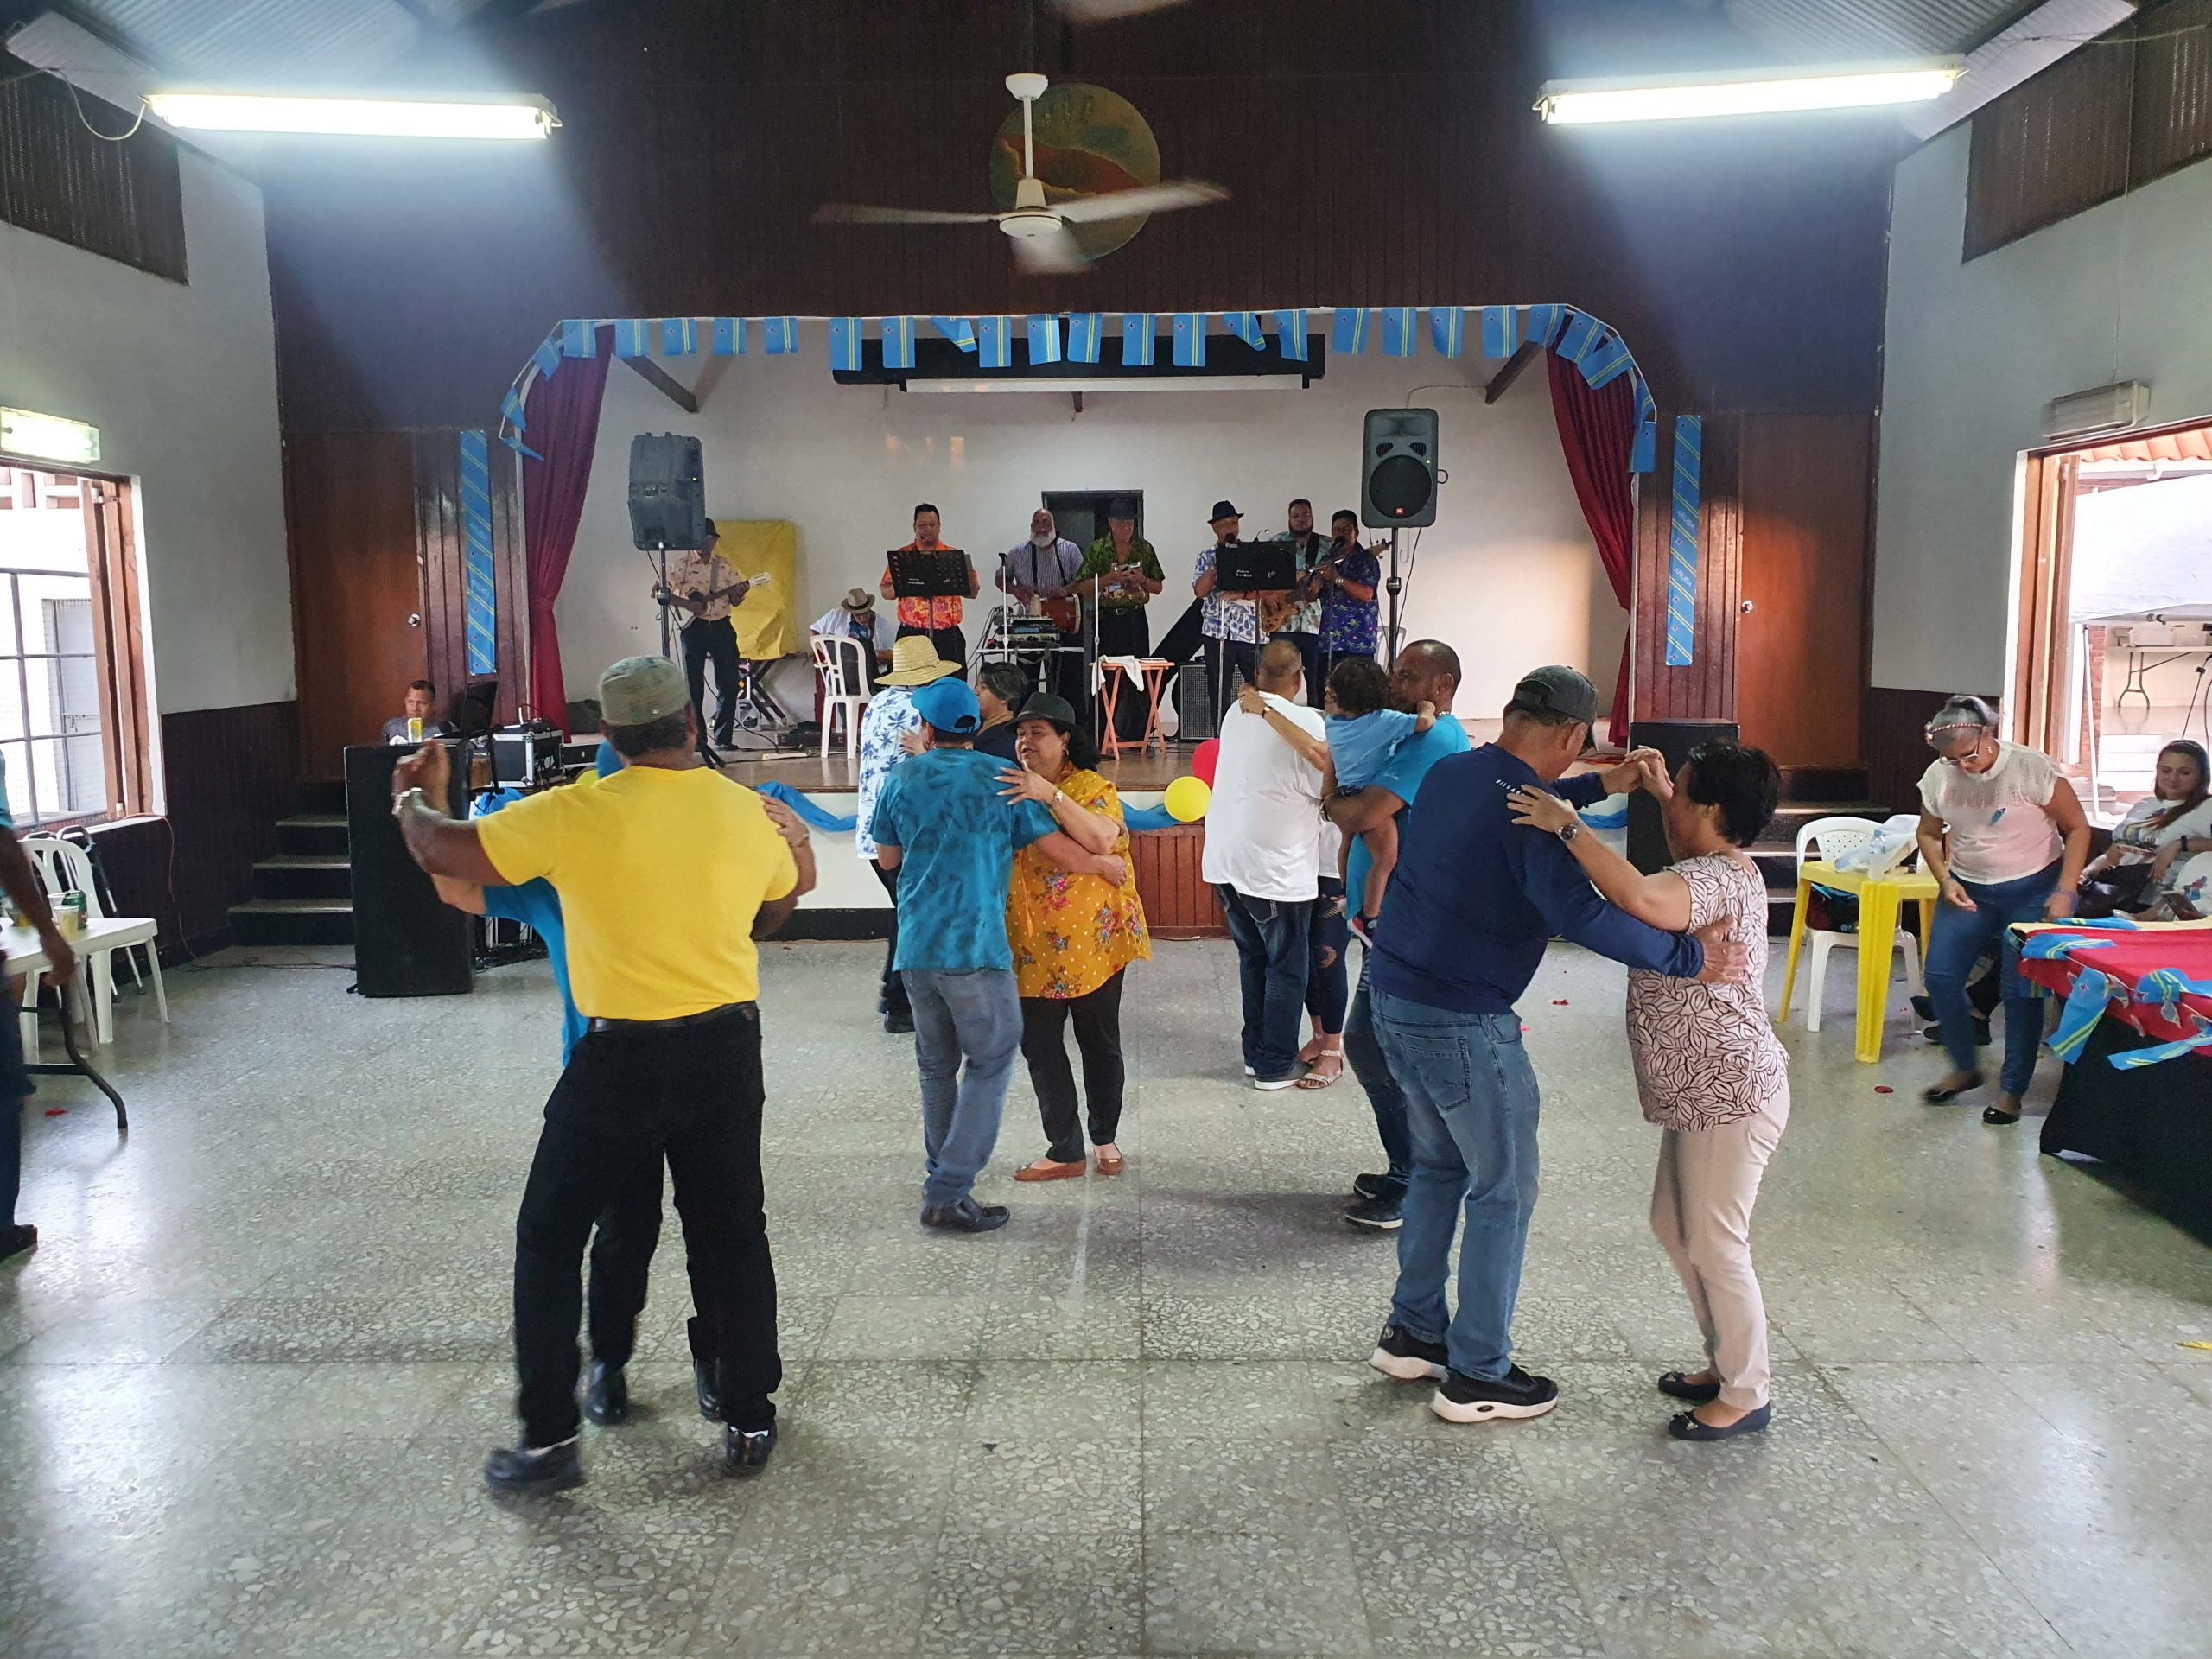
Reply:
x=890, y=731
x=943, y=825
x=670, y=1061
x=1464, y=924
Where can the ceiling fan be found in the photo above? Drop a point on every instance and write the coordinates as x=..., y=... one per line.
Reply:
x=1042, y=244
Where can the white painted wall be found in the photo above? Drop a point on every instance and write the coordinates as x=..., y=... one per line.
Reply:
x=1974, y=350
x=1508, y=575
x=181, y=380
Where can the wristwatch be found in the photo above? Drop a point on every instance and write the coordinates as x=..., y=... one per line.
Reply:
x=1568, y=832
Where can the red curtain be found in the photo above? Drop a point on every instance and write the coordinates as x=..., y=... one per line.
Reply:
x=562, y=416
x=1597, y=430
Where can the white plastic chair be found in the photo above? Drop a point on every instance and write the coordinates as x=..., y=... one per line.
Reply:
x=844, y=688
x=1833, y=837
x=64, y=869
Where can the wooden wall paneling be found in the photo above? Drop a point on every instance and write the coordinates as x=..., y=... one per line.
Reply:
x=442, y=559
x=1800, y=647
x=2172, y=115
x=1892, y=735
x=512, y=596
x=121, y=200
x=2056, y=143
x=1167, y=866
x=1705, y=689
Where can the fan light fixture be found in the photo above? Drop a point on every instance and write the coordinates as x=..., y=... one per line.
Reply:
x=1587, y=103
x=364, y=118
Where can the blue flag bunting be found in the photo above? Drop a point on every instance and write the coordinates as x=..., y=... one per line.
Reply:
x=629, y=337
x=1044, y=340
x=1290, y=336
x=958, y=330
x=1085, y=331
x=1245, y=325
x=679, y=336
x=1448, y=330
x=1643, y=457
x=510, y=411
x=480, y=584
x=1580, y=337
x=845, y=343
x=780, y=336
x=1684, y=534
x=1349, y=338
x=898, y=343
x=1136, y=339
x=1398, y=331
x=1500, y=331
x=1606, y=361
x=993, y=343
x=547, y=358
x=1190, y=339
x=1544, y=321
x=729, y=336
x=579, y=339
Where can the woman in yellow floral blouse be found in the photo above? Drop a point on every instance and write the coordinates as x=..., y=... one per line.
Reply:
x=1073, y=936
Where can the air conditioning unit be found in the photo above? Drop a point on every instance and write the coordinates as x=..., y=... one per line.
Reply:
x=2107, y=409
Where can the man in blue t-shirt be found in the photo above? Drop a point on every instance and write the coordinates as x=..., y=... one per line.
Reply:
x=948, y=824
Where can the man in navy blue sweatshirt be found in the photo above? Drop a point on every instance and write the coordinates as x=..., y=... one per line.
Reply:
x=1473, y=904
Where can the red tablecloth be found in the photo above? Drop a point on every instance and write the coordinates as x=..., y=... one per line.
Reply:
x=2126, y=961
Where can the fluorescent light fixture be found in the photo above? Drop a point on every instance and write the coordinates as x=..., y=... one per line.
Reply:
x=48, y=437
x=1584, y=103
x=1120, y=383
x=365, y=118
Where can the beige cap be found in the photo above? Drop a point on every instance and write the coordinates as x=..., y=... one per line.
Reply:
x=639, y=690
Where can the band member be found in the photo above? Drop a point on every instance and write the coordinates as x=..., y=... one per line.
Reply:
x=1350, y=577
x=421, y=719
x=854, y=617
x=703, y=589
x=1296, y=615
x=937, y=618
x=1231, y=620
x=1040, y=573
x=1128, y=574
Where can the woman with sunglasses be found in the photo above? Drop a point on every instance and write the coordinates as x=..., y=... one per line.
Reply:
x=2005, y=836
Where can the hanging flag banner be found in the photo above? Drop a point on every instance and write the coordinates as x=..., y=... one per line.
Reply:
x=1245, y=325
x=630, y=338
x=958, y=330
x=729, y=336
x=1606, y=361
x=1290, y=336
x=1448, y=330
x=679, y=336
x=579, y=339
x=1500, y=331
x=1044, y=340
x=1136, y=339
x=480, y=584
x=780, y=336
x=1683, y=555
x=1398, y=331
x=1644, y=454
x=1544, y=321
x=510, y=411
x=898, y=343
x=845, y=343
x=1349, y=338
x=993, y=343
x=1190, y=339
x=547, y=359
x=1580, y=337
x=1085, y=330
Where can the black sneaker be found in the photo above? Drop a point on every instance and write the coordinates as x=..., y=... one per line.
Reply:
x=965, y=1216
x=1516, y=1395
x=1377, y=1215
x=1408, y=1357
x=898, y=1022
x=1375, y=1186
x=606, y=1395
x=533, y=1472
x=745, y=1452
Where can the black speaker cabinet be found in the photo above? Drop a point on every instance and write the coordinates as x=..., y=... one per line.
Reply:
x=668, y=491
x=405, y=942
x=1647, y=834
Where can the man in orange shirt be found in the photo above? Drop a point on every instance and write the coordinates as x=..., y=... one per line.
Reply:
x=937, y=618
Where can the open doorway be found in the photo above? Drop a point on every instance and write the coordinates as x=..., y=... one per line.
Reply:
x=2113, y=656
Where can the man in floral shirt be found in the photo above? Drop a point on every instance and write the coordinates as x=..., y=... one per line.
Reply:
x=1231, y=621
x=891, y=718
x=937, y=618
x=1350, y=577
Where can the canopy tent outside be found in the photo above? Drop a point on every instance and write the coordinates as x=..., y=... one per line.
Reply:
x=2144, y=552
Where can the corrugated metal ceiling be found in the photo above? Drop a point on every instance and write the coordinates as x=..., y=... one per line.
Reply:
x=241, y=41
x=1813, y=29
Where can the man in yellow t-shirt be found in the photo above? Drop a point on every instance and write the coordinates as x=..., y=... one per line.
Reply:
x=667, y=872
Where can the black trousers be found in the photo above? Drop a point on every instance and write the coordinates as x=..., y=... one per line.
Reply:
x=951, y=644
x=891, y=999
x=1225, y=660
x=622, y=1246
x=1097, y=1018
x=716, y=641
x=692, y=1093
x=1310, y=656
x=1126, y=633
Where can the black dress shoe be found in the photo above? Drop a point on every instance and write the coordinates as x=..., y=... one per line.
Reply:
x=607, y=1395
x=898, y=1022
x=533, y=1472
x=965, y=1216
x=15, y=1240
x=746, y=1451
x=703, y=1384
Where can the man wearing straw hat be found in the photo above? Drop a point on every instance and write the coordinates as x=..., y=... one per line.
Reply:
x=890, y=719
x=854, y=617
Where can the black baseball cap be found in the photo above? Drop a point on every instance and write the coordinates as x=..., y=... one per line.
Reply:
x=1558, y=692
x=1222, y=509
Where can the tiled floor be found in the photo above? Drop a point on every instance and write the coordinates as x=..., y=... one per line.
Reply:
x=246, y=1385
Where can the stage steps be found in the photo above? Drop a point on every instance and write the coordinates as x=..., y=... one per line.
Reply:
x=303, y=895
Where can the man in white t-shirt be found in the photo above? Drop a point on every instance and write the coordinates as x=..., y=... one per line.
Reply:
x=1262, y=857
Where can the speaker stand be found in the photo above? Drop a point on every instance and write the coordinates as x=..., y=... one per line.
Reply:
x=1394, y=586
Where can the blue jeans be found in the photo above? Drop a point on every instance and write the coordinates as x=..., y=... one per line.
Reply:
x=977, y=1017
x=1384, y=1095
x=1471, y=1105
x=1959, y=939
x=1271, y=936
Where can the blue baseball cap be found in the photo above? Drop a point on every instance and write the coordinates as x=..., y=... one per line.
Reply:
x=949, y=706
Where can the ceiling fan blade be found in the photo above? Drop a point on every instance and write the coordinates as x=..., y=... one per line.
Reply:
x=1103, y=11
x=846, y=213
x=1053, y=255
x=1128, y=204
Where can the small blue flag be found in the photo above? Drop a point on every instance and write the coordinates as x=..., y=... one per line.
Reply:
x=1190, y=339
x=1500, y=331
x=845, y=343
x=780, y=336
x=1136, y=339
x=547, y=358
x=1348, y=339
x=898, y=343
x=1398, y=331
x=579, y=339
x=958, y=330
x=1290, y=336
x=993, y=343
x=1448, y=330
x=1544, y=321
x=1085, y=329
x=629, y=337
x=1245, y=325
x=729, y=336
x=679, y=336
x=510, y=411
x=1606, y=361
x=1644, y=456
x=1580, y=336
x=1044, y=340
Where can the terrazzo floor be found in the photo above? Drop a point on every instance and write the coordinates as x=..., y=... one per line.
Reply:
x=247, y=1383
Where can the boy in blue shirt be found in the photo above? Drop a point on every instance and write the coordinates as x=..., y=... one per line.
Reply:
x=1365, y=736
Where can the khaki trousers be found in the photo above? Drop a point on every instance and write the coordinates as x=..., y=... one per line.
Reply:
x=1701, y=1214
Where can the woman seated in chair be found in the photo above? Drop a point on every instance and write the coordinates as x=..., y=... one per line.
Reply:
x=2167, y=827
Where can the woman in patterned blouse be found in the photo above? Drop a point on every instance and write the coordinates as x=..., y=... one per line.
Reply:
x=1709, y=1067
x=1073, y=936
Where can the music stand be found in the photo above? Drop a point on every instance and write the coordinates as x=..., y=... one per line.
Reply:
x=1255, y=567
x=933, y=573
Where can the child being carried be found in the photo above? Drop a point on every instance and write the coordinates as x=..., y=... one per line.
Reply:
x=1364, y=732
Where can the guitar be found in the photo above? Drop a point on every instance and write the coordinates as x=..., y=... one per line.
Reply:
x=696, y=602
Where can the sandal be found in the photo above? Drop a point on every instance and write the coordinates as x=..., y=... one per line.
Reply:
x=1937, y=1094
x=1318, y=1079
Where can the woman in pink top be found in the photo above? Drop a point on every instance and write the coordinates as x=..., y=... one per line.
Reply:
x=1708, y=1068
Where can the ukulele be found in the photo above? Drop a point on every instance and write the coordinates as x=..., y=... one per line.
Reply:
x=696, y=602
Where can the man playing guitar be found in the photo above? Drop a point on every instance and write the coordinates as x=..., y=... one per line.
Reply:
x=1040, y=573
x=703, y=589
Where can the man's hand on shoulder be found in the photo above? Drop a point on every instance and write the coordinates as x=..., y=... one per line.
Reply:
x=1251, y=700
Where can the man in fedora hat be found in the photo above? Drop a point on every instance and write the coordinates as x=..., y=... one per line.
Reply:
x=890, y=719
x=1230, y=620
x=855, y=617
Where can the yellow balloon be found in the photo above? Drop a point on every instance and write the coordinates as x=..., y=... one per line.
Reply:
x=1187, y=798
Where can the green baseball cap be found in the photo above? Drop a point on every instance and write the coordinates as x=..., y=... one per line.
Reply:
x=1559, y=692
x=639, y=690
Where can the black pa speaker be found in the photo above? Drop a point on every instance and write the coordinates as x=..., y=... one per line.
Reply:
x=1397, y=467
x=668, y=492
x=1647, y=833
x=406, y=941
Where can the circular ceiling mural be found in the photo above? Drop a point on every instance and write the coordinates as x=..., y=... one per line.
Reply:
x=1088, y=141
